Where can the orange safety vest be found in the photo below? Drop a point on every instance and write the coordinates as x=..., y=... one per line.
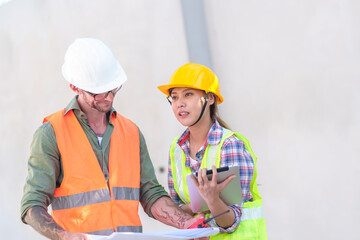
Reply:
x=85, y=202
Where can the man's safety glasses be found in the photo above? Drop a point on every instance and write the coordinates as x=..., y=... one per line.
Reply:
x=102, y=96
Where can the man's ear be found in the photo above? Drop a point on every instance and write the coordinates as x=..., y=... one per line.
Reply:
x=75, y=89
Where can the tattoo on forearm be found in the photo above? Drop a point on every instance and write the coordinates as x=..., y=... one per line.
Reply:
x=171, y=214
x=42, y=222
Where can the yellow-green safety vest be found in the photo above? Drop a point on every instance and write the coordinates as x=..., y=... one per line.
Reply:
x=252, y=225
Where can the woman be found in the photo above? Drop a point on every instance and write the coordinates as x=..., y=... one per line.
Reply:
x=194, y=92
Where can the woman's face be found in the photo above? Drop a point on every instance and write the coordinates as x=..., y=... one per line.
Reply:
x=187, y=104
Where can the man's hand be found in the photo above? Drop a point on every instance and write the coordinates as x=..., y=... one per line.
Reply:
x=167, y=211
x=187, y=209
x=38, y=218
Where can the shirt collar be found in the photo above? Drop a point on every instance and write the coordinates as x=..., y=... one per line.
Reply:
x=214, y=136
x=74, y=105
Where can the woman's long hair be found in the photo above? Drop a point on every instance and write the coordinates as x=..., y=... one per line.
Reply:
x=214, y=114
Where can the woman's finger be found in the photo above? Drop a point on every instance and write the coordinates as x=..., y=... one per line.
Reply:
x=214, y=175
x=202, y=176
x=195, y=181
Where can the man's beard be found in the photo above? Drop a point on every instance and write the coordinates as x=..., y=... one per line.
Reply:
x=105, y=108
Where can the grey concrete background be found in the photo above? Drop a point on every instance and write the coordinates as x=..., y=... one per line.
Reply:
x=289, y=73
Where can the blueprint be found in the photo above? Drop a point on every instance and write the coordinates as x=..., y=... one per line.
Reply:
x=162, y=235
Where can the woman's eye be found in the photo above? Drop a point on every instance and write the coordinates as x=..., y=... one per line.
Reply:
x=188, y=94
x=173, y=98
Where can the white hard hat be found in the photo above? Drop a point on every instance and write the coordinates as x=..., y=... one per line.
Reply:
x=90, y=65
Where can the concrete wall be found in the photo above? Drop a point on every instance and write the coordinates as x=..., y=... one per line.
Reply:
x=289, y=72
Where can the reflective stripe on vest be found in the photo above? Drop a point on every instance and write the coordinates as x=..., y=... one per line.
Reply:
x=118, y=229
x=81, y=199
x=96, y=196
x=251, y=211
x=85, y=202
x=125, y=193
x=102, y=232
x=129, y=229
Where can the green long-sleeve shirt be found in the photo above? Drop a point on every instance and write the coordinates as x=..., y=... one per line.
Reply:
x=45, y=172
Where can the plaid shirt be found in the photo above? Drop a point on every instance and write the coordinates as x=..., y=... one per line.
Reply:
x=233, y=153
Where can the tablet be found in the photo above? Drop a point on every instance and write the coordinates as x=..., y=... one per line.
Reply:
x=230, y=195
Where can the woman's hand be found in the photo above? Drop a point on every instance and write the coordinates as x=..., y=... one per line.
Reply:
x=210, y=190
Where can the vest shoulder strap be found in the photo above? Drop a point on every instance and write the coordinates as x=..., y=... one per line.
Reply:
x=215, y=157
x=179, y=170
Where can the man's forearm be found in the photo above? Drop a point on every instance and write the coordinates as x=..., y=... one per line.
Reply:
x=38, y=218
x=167, y=211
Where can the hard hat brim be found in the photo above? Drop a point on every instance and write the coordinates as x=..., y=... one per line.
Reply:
x=90, y=65
x=116, y=82
x=165, y=89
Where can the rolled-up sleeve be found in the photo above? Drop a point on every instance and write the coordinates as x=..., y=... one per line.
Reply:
x=43, y=170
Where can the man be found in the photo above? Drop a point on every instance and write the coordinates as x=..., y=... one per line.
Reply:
x=89, y=162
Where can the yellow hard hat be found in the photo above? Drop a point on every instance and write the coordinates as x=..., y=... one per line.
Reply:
x=196, y=76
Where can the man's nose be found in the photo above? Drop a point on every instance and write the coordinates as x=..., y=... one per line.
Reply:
x=110, y=97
